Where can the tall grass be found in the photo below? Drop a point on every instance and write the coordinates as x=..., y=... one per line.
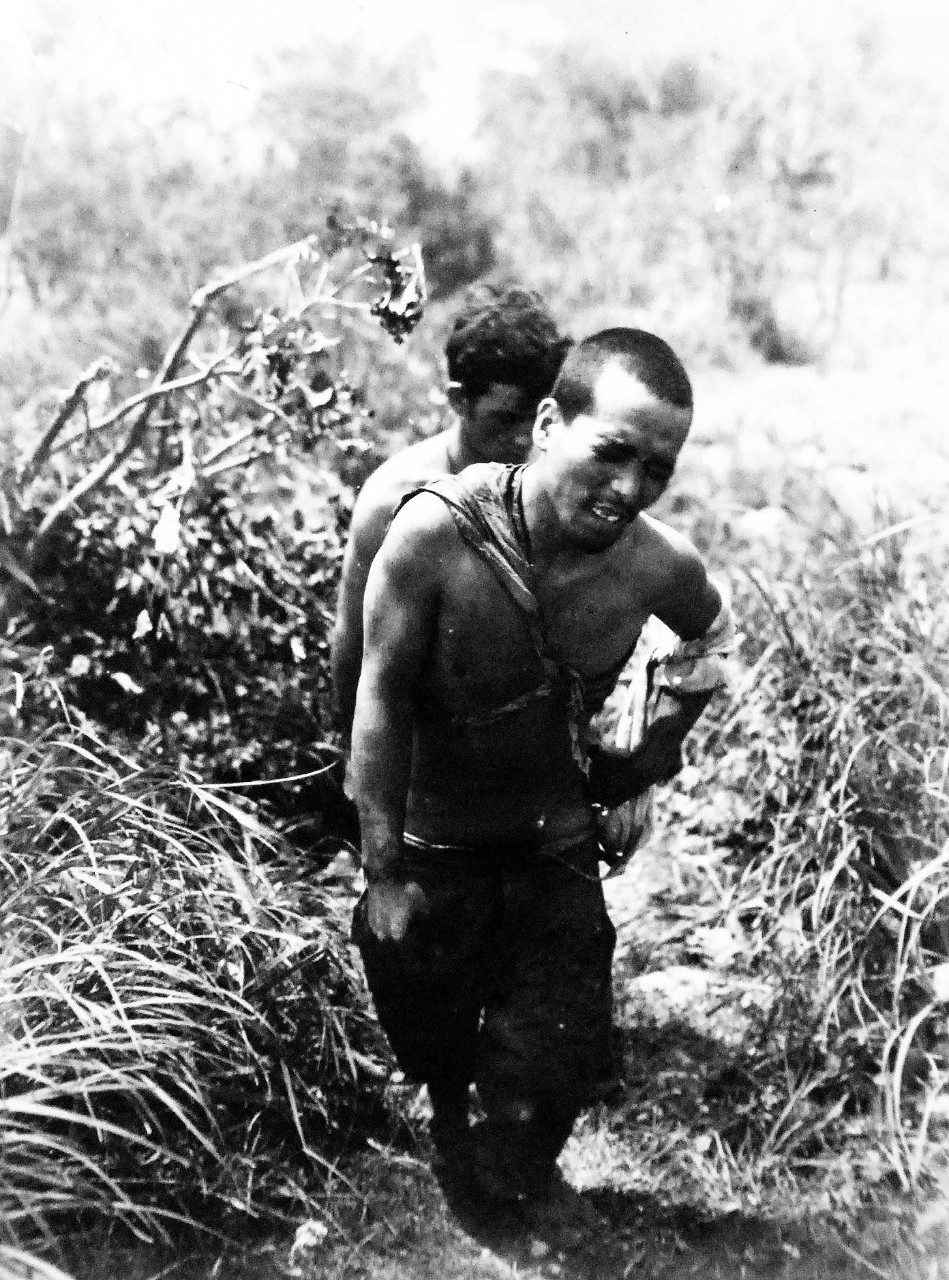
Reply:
x=810, y=828
x=837, y=743
x=182, y=1034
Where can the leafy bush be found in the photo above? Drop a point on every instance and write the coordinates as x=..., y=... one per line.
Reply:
x=449, y=220
x=728, y=213
x=182, y=1033
x=178, y=601
x=215, y=656
x=122, y=214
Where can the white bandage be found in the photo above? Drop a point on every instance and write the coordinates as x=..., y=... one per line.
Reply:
x=662, y=661
x=701, y=665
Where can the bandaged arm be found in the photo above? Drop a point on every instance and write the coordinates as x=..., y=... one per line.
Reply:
x=636, y=738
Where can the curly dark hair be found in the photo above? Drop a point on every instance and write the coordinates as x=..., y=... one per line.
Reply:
x=504, y=333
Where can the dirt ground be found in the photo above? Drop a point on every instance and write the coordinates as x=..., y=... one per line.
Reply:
x=403, y=1231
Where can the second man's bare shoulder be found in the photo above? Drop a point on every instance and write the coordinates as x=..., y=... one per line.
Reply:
x=387, y=486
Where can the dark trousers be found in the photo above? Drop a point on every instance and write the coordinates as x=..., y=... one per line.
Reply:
x=504, y=980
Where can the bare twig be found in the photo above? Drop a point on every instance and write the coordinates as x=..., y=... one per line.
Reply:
x=273, y=410
x=98, y=474
x=167, y=382
x=291, y=252
x=271, y=595
x=207, y=293
x=240, y=437
x=330, y=301
x=229, y=464
x=142, y=397
x=76, y=396
x=161, y=387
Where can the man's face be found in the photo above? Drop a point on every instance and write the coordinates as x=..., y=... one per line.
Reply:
x=496, y=426
x=611, y=463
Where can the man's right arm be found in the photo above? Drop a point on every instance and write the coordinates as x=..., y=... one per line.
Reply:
x=371, y=516
x=401, y=609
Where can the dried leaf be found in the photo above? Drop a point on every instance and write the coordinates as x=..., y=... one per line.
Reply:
x=143, y=624
x=167, y=532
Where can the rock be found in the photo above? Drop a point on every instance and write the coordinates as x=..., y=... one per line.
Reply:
x=725, y=1008
x=309, y=1237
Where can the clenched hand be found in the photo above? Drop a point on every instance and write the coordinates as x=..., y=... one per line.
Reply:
x=392, y=902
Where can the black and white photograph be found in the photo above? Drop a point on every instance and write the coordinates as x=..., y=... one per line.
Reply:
x=474, y=640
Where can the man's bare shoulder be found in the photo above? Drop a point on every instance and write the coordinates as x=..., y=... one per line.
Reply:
x=423, y=526
x=387, y=486
x=678, y=589
x=419, y=546
x=667, y=558
x=406, y=470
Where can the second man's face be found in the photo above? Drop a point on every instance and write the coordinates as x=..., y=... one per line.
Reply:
x=497, y=424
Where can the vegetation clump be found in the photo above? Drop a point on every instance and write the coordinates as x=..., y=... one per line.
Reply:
x=818, y=804
x=174, y=601
x=843, y=885
x=184, y=1035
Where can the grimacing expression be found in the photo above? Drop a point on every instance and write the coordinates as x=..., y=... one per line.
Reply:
x=612, y=462
x=497, y=425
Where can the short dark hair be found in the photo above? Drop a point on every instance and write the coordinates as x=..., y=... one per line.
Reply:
x=504, y=333
x=642, y=354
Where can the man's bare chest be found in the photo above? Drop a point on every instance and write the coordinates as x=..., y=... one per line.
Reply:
x=486, y=644
x=594, y=613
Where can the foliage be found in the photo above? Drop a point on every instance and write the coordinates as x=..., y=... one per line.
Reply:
x=179, y=607
x=448, y=218
x=732, y=209
x=340, y=121
x=121, y=215
x=182, y=599
x=727, y=212
x=832, y=764
x=215, y=656
x=182, y=1033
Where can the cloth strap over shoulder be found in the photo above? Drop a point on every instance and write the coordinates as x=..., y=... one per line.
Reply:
x=484, y=501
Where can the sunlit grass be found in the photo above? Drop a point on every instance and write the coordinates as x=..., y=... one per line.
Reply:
x=832, y=862
x=182, y=1034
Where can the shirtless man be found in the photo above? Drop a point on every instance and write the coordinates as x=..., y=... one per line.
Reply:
x=498, y=611
x=503, y=354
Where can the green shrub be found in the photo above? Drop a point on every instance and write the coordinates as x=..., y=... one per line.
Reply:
x=183, y=1036
x=214, y=657
x=720, y=209
x=181, y=596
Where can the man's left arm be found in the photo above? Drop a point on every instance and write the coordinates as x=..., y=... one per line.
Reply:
x=690, y=609
x=691, y=606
